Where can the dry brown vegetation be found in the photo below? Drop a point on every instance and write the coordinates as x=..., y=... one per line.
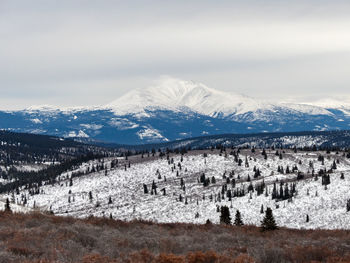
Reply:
x=35, y=238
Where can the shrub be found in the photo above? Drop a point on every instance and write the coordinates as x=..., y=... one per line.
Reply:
x=97, y=258
x=200, y=257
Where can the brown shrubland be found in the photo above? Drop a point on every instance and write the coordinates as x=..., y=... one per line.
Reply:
x=41, y=238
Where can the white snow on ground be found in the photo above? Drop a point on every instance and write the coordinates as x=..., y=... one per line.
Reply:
x=123, y=124
x=91, y=126
x=326, y=208
x=74, y=134
x=36, y=121
x=149, y=133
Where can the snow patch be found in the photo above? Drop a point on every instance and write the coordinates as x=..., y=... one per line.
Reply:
x=123, y=124
x=36, y=121
x=150, y=134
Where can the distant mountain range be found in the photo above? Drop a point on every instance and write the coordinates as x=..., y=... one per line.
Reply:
x=174, y=110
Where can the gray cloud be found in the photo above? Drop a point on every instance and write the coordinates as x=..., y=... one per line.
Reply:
x=89, y=52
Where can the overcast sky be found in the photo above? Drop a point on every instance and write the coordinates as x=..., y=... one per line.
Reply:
x=72, y=52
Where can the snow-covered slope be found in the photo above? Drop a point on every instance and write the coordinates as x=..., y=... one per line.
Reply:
x=335, y=104
x=330, y=103
x=120, y=190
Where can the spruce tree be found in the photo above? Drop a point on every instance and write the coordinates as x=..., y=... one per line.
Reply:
x=7, y=205
x=268, y=222
x=334, y=165
x=145, y=189
x=225, y=217
x=238, y=219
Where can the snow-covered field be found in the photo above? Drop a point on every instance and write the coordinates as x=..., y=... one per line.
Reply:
x=120, y=192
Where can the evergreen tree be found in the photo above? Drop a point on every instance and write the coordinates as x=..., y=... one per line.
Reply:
x=233, y=183
x=164, y=191
x=7, y=205
x=307, y=219
x=334, y=165
x=154, y=188
x=274, y=191
x=287, y=170
x=182, y=182
x=268, y=222
x=246, y=162
x=262, y=209
x=250, y=187
x=238, y=219
x=180, y=198
x=145, y=189
x=225, y=217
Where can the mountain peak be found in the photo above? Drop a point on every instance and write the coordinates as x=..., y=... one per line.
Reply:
x=175, y=94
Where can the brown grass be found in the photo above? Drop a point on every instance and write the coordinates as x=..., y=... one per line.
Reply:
x=45, y=238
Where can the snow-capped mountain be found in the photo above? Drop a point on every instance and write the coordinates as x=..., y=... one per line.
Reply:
x=174, y=109
x=175, y=94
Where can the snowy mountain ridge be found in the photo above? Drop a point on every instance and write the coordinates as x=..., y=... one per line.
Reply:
x=176, y=94
x=174, y=109
x=179, y=95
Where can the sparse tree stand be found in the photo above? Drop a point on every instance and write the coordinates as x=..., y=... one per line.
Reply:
x=238, y=219
x=268, y=222
x=225, y=217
